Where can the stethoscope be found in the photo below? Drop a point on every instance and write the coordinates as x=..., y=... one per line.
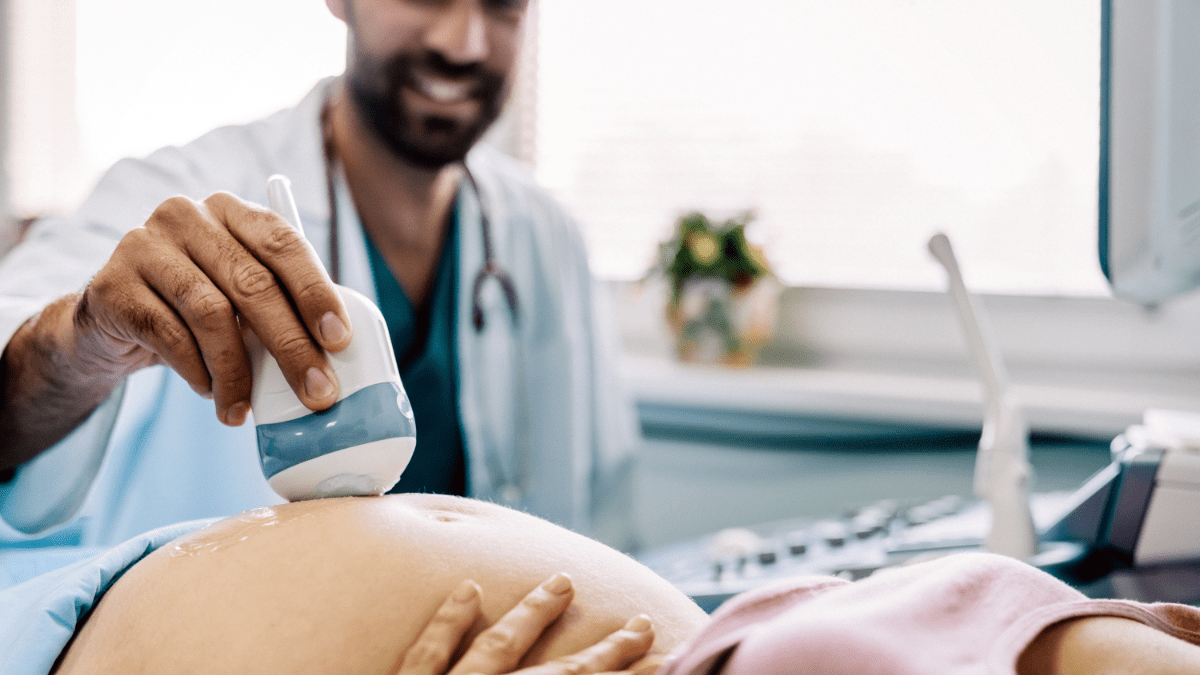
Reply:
x=509, y=490
x=490, y=269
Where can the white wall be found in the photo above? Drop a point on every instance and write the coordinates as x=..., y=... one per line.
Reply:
x=43, y=141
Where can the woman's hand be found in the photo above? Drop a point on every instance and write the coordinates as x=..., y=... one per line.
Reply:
x=500, y=648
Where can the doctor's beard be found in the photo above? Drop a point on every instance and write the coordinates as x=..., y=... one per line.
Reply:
x=425, y=140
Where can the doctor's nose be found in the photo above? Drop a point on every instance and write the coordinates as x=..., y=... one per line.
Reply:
x=460, y=33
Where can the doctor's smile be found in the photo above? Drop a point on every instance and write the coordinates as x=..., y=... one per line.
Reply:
x=447, y=84
x=443, y=83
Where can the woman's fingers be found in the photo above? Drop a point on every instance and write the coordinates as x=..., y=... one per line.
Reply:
x=615, y=652
x=500, y=648
x=430, y=654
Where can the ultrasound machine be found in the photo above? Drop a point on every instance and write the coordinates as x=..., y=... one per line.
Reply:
x=1133, y=529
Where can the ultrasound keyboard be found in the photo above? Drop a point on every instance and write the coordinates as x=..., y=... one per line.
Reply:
x=715, y=567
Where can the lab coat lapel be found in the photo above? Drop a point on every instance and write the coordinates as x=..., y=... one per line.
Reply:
x=295, y=148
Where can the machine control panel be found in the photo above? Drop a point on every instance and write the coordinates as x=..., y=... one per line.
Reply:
x=715, y=567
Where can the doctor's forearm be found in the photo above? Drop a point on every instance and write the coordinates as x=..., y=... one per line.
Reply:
x=48, y=388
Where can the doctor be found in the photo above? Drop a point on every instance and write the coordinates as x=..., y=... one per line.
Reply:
x=482, y=277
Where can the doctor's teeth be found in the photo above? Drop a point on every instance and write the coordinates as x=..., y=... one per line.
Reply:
x=445, y=92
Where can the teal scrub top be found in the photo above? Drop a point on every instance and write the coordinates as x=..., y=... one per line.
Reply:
x=424, y=342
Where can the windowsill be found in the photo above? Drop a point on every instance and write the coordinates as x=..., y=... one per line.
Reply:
x=1086, y=367
x=946, y=403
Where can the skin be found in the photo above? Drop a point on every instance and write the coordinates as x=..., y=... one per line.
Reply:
x=500, y=647
x=347, y=586
x=1108, y=645
x=182, y=289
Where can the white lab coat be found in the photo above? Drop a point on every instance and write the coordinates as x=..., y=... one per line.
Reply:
x=544, y=424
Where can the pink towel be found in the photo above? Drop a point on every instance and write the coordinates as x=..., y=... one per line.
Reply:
x=962, y=614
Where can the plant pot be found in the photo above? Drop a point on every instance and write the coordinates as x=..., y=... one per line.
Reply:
x=716, y=321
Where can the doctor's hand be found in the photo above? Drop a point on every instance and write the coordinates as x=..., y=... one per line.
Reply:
x=500, y=647
x=180, y=290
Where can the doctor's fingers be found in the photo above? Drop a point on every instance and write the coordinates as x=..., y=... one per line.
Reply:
x=430, y=654
x=287, y=254
x=499, y=648
x=618, y=650
x=152, y=294
x=261, y=262
x=152, y=297
x=271, y=277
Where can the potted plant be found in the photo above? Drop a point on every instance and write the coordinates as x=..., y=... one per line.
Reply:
x=723, y=295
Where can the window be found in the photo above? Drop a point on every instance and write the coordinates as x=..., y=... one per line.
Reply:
x=853, y=129
x=97, y=80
